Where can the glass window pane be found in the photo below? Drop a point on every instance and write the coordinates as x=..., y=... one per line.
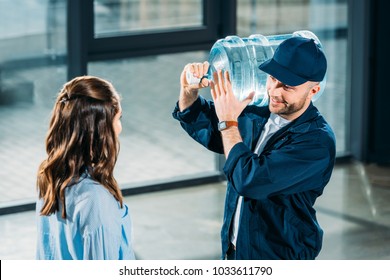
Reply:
x=328, y=20
x=32, y=28
x=32, y=70
x=115, y=17
x=153, y=147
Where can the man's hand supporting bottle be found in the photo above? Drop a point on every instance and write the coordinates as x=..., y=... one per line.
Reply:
x=227, y=106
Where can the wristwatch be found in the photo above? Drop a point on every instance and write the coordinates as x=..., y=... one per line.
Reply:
x=226, y=124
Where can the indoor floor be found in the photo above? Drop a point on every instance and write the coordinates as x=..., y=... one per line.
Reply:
x=354, y=212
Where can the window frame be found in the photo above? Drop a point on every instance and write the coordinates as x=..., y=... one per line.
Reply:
x=84, y=47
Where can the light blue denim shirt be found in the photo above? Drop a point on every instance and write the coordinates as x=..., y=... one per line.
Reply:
x=96, y=228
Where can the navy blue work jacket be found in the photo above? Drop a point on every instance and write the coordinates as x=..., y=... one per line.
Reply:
x=279, y=186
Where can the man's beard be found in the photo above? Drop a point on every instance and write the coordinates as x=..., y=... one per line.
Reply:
x=287, y=109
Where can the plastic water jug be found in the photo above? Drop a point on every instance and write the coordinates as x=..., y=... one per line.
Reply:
x=242, y=57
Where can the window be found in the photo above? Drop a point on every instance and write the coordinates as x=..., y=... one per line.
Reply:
x=32, y=70
x=118, y=17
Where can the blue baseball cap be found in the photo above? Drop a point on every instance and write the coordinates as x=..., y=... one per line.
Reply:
x=296, y=60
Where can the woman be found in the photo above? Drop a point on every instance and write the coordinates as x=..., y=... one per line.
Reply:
x=81, y=214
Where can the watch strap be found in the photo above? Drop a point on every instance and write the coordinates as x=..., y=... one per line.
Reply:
x=226, y=124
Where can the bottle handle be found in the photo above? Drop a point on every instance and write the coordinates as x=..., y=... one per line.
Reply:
x=191, y=80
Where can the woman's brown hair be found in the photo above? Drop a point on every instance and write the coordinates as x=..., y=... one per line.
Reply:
x=81, y=137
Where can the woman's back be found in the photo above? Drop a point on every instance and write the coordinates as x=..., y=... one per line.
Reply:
x=96, y=227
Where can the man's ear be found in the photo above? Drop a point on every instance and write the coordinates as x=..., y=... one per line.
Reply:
x=315, y=89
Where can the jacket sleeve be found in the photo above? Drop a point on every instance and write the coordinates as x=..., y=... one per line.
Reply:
x=302, y=164
x=201, y=123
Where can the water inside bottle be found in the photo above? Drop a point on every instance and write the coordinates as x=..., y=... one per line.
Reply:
x=241, y=57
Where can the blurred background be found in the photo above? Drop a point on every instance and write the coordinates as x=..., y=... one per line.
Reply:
x=141, y=46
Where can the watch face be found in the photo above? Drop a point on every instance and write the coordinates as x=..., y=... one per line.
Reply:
x=222, y=125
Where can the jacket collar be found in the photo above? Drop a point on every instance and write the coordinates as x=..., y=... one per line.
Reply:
x=254, y=125
x=303, y=122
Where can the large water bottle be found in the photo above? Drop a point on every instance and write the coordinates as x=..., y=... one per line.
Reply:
x=242, y=57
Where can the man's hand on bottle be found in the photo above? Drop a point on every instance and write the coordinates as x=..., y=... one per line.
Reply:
x=227, y=106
